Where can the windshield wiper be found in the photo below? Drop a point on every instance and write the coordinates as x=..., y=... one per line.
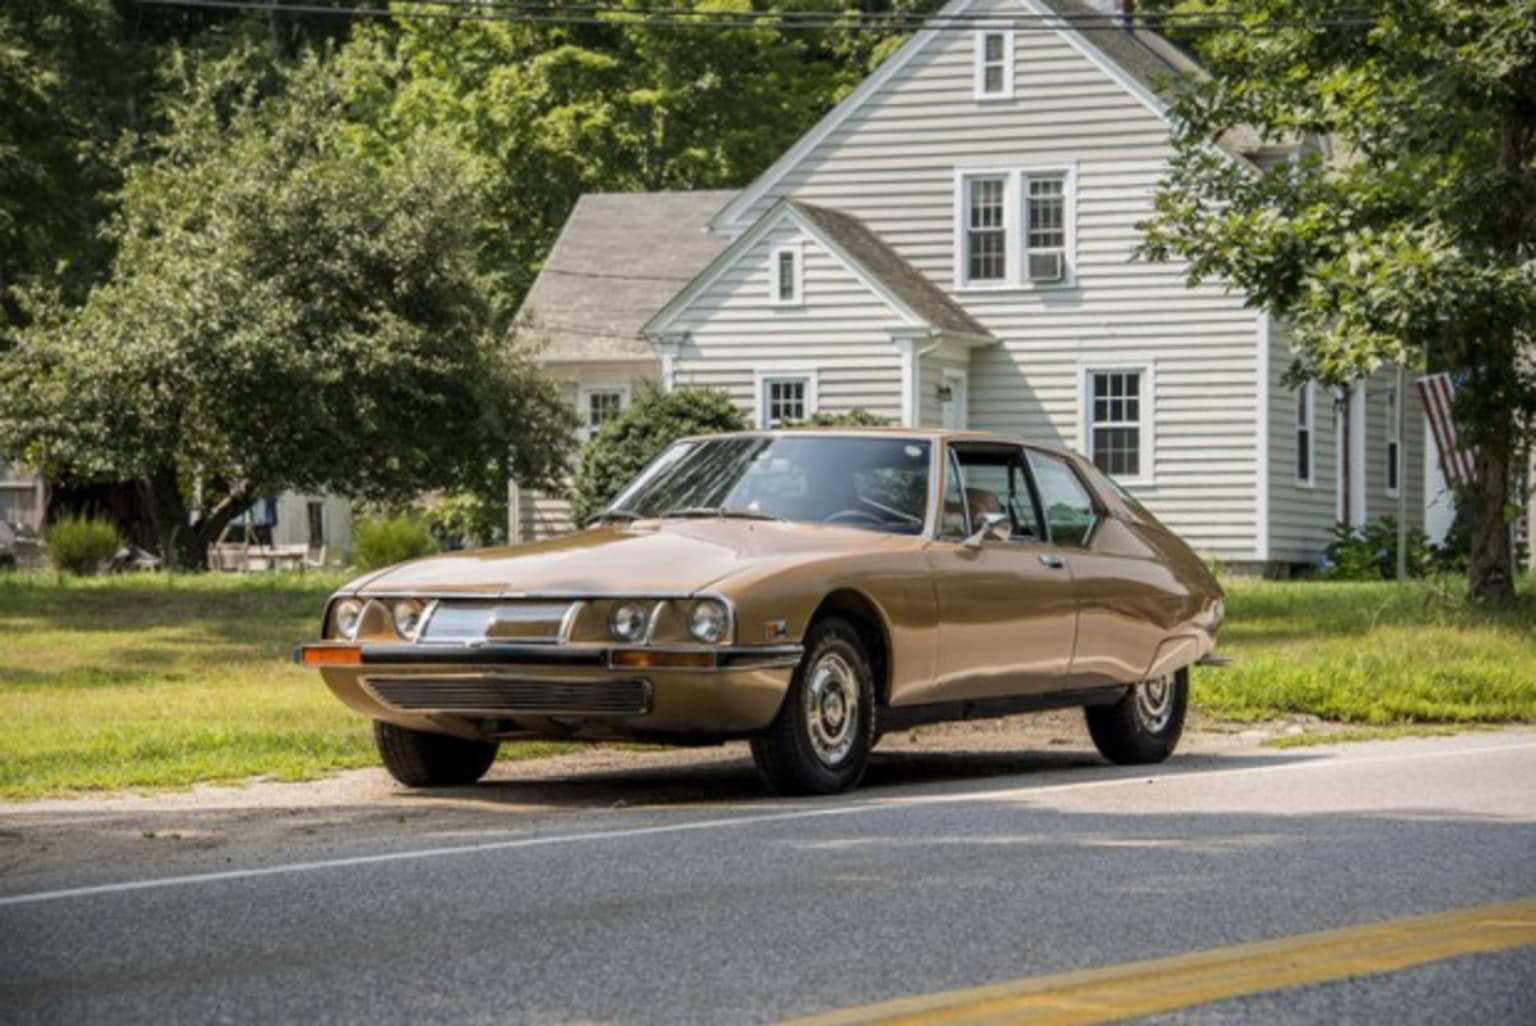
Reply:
x=616, y=514
x=719, y=511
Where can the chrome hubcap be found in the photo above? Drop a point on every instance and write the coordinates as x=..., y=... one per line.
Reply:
x=832, y=708
x=1154, y=704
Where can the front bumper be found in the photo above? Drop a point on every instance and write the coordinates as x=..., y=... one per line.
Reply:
x=560, y=690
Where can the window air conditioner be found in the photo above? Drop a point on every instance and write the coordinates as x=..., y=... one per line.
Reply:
x=1047, y=266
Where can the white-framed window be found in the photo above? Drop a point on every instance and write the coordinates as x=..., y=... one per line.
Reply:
x=598, y=404
x=786, y=276
x=1117, y=420
x=785, y=397
x=994, y=63
x=1014, y=227
x=986, y=229
x=1394, y=441
x=1045, y=227
x=1306, y=435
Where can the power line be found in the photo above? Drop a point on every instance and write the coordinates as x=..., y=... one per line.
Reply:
x=613, y=16
x=836, y=17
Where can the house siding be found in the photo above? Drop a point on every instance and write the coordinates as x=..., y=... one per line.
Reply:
x=841, y=332
x=893, y=163
x=532, y=514
x=1378, y=501
x=931, y=378
x=1300, y=518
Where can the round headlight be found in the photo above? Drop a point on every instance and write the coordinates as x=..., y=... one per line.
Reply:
x=707, y=621
x=628, y=622
x=408, y=617
x=346, y=618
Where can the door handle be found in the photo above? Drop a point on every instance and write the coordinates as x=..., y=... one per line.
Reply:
x=1053, y=561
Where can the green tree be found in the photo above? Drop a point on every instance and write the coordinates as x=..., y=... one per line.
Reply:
x=284, y=311
x=553, y=111
x=65, y=90
x=624, y=445
x=1406, y=229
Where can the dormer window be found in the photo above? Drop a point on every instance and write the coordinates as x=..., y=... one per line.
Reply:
x=994, y=64
x=786, y=278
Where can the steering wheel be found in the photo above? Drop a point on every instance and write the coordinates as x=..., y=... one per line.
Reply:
x=853, y=516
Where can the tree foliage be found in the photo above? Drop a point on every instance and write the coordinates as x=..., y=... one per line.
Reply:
x=63, y=88
x=624, y=445
x=1404, y=230
x=283, y=312
x=553, y=111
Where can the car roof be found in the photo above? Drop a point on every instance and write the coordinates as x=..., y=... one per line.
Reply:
x=931, y=434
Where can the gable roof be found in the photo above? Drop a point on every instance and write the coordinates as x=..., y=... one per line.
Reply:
x=929, y=302
x=1139, y=60
x=618, y=260
x=886, y=273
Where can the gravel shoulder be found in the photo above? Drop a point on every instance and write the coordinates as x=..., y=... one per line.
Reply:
x=209, y=826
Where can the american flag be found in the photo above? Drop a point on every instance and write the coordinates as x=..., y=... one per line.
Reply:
x=1459, y=465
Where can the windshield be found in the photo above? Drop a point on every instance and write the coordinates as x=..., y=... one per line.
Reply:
x=879, y=484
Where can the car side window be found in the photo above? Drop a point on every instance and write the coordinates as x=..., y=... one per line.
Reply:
x=1068, y=507
x=994, y=482
x=952, y=522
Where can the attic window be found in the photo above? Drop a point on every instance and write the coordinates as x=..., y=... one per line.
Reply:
x=994, y=64
x=786, y=277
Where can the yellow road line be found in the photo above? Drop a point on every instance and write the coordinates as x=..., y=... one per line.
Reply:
x=1164, y=984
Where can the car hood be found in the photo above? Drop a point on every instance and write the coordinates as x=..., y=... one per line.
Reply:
x=672, y=557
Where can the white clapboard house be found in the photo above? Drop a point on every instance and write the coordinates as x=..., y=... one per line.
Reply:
x=953, y=245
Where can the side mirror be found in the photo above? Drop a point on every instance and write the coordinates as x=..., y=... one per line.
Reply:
x=994, y=526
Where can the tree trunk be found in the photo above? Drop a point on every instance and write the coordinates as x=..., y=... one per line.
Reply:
x=183, y=544
x=169, y=513
x=1491, y=563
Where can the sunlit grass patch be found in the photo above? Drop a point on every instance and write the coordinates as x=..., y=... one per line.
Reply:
x=1376, y=653
x=149, y=681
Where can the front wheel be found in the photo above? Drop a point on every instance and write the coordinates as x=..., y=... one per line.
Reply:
x=1144, y=726
x=419, y=759
x=819, y=743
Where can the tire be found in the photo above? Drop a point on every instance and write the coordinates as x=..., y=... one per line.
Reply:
x=1145, y=725
x=419, y=759
x=819, y=743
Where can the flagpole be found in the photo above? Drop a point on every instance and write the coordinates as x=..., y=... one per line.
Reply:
x=1402, y=478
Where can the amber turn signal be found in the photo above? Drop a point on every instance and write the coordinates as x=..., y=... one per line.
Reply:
x=648, y=659
x=330, y=655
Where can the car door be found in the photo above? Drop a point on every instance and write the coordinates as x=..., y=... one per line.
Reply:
x=1119, y=590
x=1007, y=616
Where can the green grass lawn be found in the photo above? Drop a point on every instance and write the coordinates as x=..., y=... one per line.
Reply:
x=1373, y=653
x=153, y=681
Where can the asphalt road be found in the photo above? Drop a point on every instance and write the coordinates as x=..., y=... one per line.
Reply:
x=734, y=908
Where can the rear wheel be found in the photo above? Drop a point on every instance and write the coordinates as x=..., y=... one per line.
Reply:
x=419, y=759
x=819, y=743
x=1144, y=726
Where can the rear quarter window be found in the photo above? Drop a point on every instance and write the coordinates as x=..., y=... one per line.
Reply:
x=1069, y=509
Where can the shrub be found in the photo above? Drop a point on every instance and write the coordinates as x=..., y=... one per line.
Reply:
x=464, y=520
x=624, y=445
x=390, y=540
x=1369, y=553
x=80, y=545
x=857, y=417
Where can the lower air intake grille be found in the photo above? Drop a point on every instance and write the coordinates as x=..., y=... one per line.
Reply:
x=504, y=696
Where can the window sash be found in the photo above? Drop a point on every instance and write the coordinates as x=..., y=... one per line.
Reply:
x=785, y=399
x=993, y=63
x=1045, y=213
x=986, y=235
x=1305, y=398
x=1394, y=442
x=786, y=275
x=1115, y=422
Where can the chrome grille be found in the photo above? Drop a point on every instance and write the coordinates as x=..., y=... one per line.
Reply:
x=505, y=696
x=455, y=621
